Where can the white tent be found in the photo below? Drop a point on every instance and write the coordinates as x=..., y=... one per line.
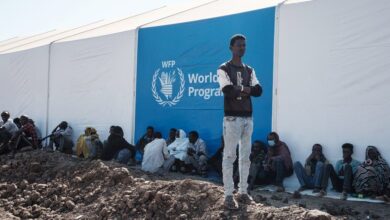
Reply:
x=92, y=74
x=24, y=63
x=332, y=78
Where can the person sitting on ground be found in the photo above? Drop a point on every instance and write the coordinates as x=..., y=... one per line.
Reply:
x=7, y=130
x=373, y=175
x=17, y=123
x=179, y=149
x=145, y=139
x=342, y=176
x=277, y=163
x=25, y=136
x=156, y=153
x=61, y=138
x=256, y=157
x=7, y=124
x=89, y=145
x=215, y=162
x=197, y=154
x=37, y=130
x=116, y=147
x=310, y=176
x=172, y=136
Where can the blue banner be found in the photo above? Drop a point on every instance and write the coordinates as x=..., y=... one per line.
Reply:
x=177, y=84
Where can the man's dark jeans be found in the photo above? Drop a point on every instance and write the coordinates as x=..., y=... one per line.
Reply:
x=339, y=184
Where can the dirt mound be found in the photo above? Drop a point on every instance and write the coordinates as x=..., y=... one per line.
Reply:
x=45, y=185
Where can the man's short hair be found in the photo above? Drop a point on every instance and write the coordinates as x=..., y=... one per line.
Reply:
x=25, y=117
x=150, y=127
x=174, y=130
x=195, y=133
x=5, y=114
x=347, y=146
x=236, y=37
x=157, y=134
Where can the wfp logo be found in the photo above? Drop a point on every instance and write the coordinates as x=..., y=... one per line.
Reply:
x=165, y=83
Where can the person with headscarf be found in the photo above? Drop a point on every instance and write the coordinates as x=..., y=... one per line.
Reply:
x=178, y=149
x=310, y=176
x=373, y=175
x=89, y=145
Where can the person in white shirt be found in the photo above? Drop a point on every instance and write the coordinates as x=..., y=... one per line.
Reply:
x=7, y=123
x=178, y=149
x=155, y=154
x=7, y=130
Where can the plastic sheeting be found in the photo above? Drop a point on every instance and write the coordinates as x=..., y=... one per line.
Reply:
x=92, y=83
x=333, y=80
x=24, y=86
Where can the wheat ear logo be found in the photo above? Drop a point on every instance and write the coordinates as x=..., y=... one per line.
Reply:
x=167, y=79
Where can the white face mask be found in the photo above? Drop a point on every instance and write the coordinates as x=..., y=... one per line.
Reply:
x=271, y=143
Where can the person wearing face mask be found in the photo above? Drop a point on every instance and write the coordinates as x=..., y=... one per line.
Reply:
x=310, y=176
x=341, y=175
x=277, y=163
x=373, y=175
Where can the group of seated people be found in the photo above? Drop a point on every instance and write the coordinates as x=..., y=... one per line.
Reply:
x=271, y=163
x=349, y=176
x=17, y=133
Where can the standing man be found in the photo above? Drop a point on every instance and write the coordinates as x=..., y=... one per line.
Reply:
x=238, y=83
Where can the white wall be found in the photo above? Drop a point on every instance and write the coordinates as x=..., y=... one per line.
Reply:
x=92, y=83
x=333, y=79
x=23, y=88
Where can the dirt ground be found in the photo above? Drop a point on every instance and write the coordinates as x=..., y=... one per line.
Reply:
x=44, y=185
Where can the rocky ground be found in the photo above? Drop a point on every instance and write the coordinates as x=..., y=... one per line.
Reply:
x=44, y=185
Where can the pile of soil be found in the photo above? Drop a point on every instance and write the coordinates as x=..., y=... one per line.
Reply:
x=44, y=185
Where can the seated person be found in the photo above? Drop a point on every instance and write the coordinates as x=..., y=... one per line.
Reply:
x=25, y=136
x=342, y=176
x=116, y=147
x=39, y=133
x=7, y=124
x=17, y=123
x=196, y=154
x=89, y=144
x=373, y=175
x=7, y=130
x=256, y=157
x=145, y=139
x=61, y=138
x=155, y=155
x=178, y=149
x=215, y=161
x=310, y=176
x=277, y=163
x=172, y=136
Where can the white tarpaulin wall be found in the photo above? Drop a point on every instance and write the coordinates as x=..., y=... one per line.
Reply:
x=92, y=75
x=24, y=86
x=92, y=83
x=333, y=81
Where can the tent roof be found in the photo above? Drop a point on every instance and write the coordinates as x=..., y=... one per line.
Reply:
x=216, y=9
x=134, y=22
x=27, y=40
x=47, y=39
